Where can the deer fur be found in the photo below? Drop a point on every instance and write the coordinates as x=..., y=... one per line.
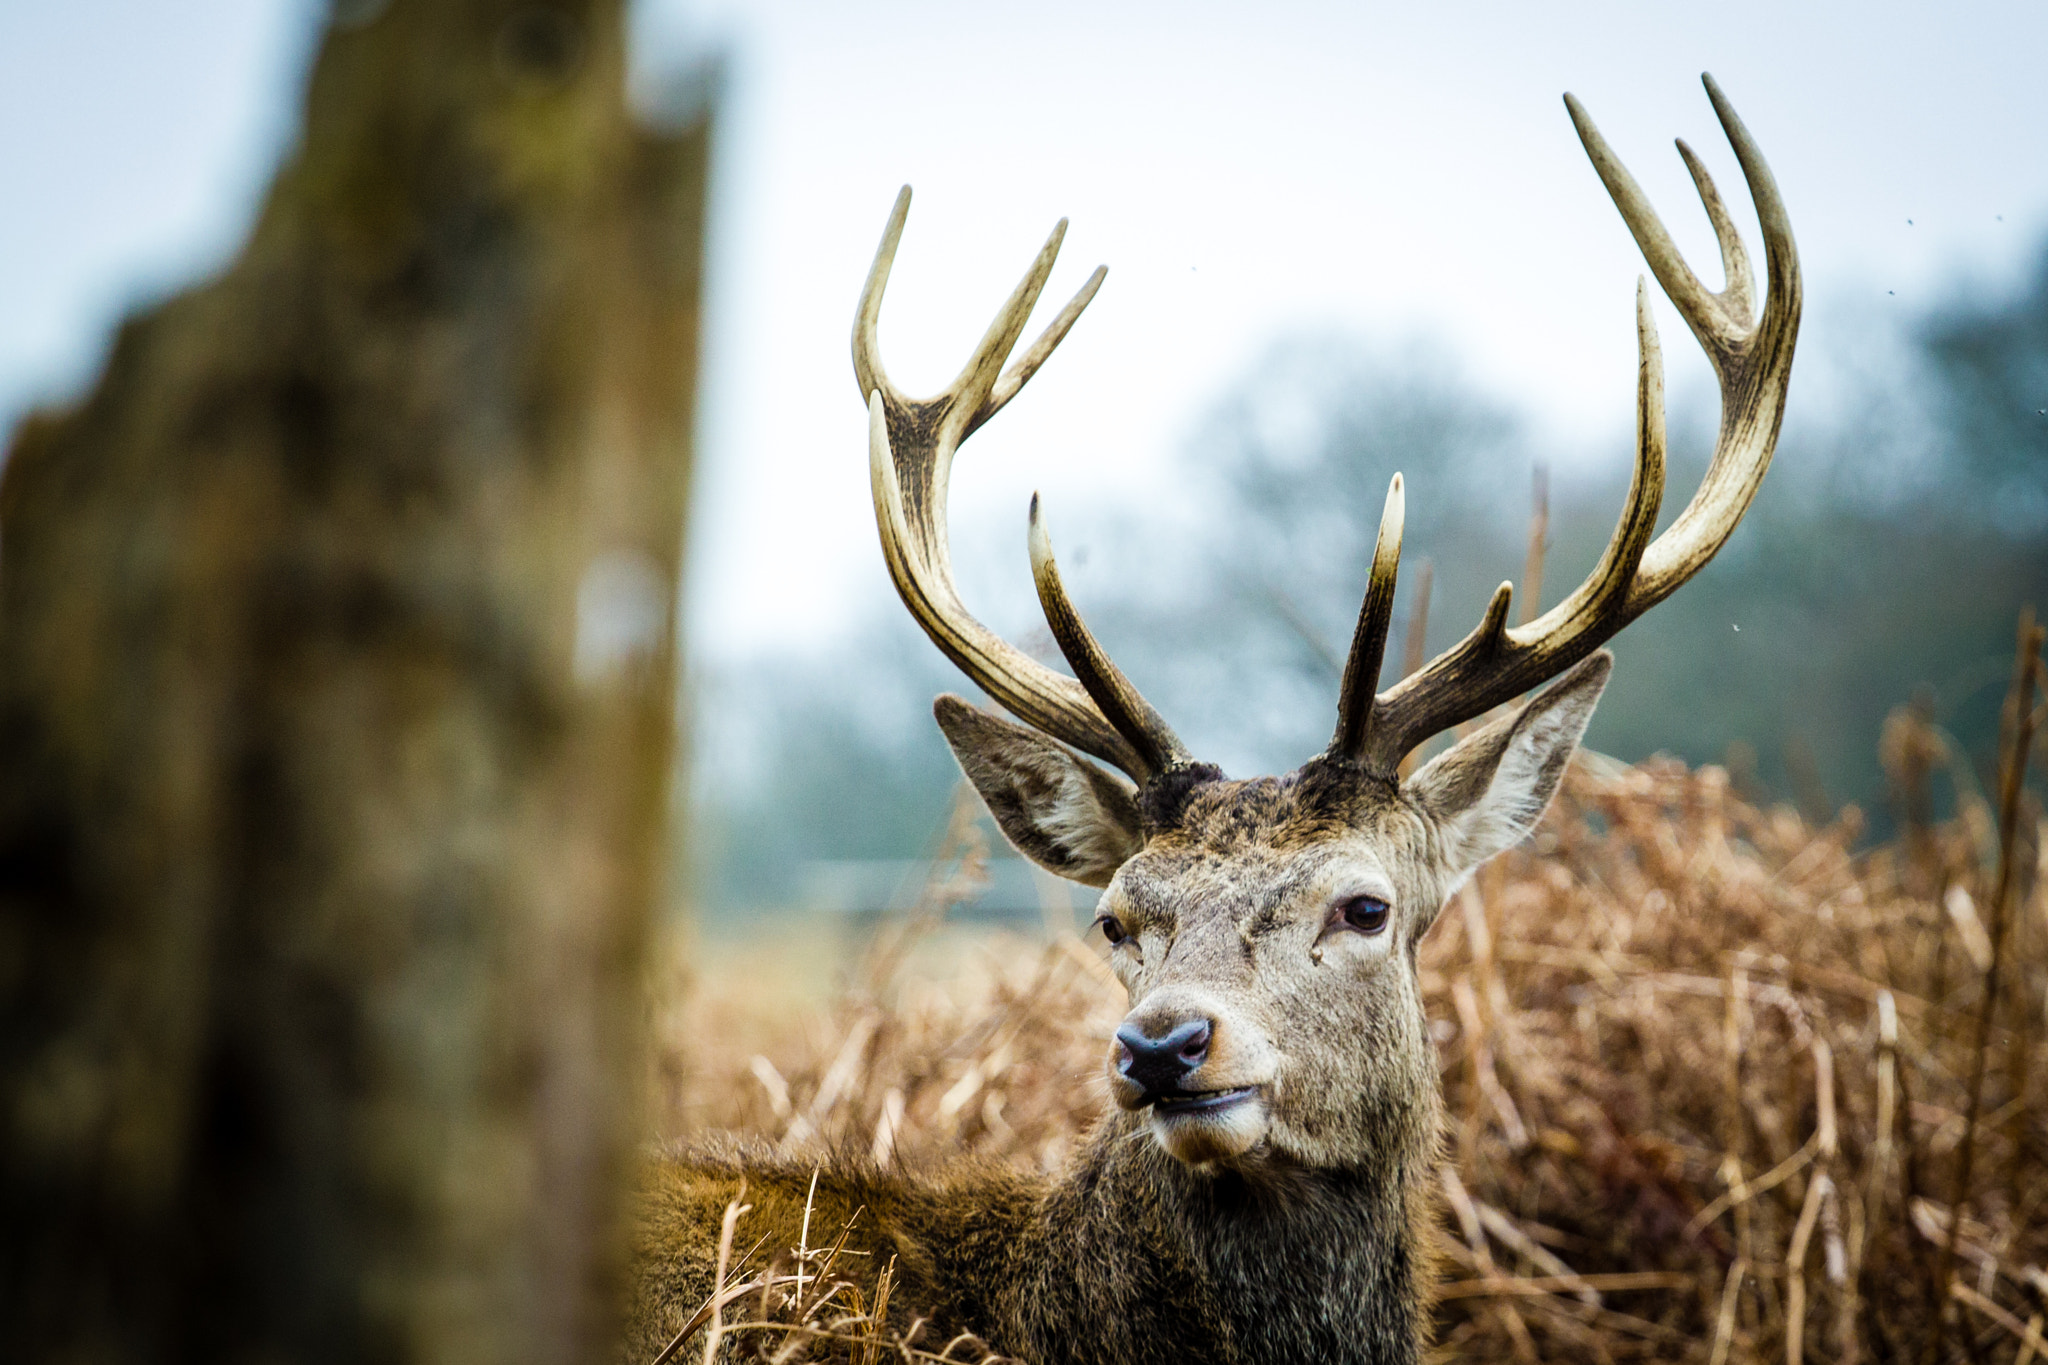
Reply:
x=1294, y=1227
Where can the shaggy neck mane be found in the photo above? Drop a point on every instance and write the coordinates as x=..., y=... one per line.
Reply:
x=1164, y=1262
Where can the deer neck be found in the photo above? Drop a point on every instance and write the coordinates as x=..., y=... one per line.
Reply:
x=1138, y=1257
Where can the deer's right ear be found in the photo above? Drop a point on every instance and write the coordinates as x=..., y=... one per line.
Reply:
x=1489, y=789
x=1062, y=812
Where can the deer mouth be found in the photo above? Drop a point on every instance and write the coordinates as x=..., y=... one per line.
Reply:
x=1204, y=1126
x=1202, y=1101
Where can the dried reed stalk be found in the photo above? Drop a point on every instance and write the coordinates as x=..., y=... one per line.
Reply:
x=2020, y=719
x=1415, y=645
x=1539, y=534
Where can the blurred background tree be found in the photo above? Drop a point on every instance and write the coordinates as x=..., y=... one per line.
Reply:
x=337, y=677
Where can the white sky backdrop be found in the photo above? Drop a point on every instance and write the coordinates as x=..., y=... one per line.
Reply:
x=1393, y=169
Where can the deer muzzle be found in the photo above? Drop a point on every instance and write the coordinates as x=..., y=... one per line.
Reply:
x=1200, y=1074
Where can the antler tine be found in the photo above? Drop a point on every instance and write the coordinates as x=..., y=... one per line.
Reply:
x=976, y=386
x=1369, y=641
x=1119, y=702
x=1019, y=374
x=1781, y=257
x=1701, y=308
x=1738, y=295
x=1604, y=593
x=911, y=444
x=978, y=380
x=1753, y=361
x=867, y=362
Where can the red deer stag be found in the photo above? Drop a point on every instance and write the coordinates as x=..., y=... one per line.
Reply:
x=1261, y=1190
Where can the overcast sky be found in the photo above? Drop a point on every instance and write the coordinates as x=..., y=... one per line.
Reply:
x=1394, y=170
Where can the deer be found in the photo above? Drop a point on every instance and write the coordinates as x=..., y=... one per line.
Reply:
x=1261, y=1188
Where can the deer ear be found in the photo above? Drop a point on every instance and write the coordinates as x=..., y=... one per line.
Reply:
x=1061, y=811
x=1488, y=790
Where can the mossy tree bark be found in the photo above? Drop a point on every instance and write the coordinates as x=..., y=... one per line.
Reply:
x=337, y=669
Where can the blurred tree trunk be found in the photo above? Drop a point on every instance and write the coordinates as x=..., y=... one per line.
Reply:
x=336, y=686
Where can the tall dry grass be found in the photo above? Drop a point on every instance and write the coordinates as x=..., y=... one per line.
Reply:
x=1716, y=1082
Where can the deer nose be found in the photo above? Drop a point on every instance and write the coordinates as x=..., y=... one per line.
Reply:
x=1162, y=1065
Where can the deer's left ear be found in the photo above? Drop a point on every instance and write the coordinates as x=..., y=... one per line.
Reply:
x=1488, y=790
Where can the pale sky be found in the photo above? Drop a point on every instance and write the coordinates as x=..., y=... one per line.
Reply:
x=1393, y=170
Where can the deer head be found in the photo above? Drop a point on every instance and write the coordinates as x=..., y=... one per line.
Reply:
x=1267, y=929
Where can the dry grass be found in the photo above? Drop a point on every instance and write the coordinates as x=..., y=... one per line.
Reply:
x=1708, y=1076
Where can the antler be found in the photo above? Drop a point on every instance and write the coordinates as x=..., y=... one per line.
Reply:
x=1753, y=361
x=910, y=449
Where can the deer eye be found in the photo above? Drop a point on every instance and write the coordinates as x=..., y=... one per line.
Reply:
x=1366, y=914
x=1112, y=929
